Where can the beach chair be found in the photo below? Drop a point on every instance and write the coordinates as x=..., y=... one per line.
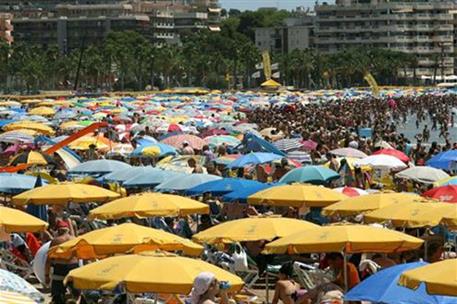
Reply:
x=309, y=277
x=12, y=263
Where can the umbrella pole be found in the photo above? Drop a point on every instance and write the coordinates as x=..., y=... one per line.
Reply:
x=267, y=290
x=345, y=272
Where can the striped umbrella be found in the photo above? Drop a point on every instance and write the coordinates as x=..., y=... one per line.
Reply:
x=288, y=144
x=300, y=156
x=16, y=289
x=18, y=136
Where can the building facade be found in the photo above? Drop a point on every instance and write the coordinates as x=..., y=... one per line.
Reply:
x=295, y=33
x=424, y=29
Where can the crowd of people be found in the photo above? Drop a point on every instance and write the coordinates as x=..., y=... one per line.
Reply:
x=331, y=125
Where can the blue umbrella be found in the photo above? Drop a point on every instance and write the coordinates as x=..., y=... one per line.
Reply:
x=443, y=160
x=16, y=183
x=310, y=174
x=165, y=150
x=99, y=166
x=151, y=179
x=123, y=175
x=253, y=143
x=383, y=287
x=242, y=195
x=183, y=183
x=254, y=158
x=223, y=186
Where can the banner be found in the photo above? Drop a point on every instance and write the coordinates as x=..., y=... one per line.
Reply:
x=275, y=66
x=373, y=84
x=266, y=65
x=259, y=66
x=276, y=75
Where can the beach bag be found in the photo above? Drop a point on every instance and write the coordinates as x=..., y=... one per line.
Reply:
x=240, y=258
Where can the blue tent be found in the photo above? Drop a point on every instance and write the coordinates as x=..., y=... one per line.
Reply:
x=242, y=195
x=223, y=186
x=383, y=287
x=443, y=160
x=252, y=143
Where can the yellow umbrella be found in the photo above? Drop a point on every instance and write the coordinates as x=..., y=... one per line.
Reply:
x=52, y=103
x=149, y=204
x=450, y=217
x=252, y=229
x=71, y=125
x=344, y=238
x=9, y=103
x=84, y=143
x=364, y=203
x=25, y=124
x=439, y=278
x=13, y=220
x=148, y=272
x=43, y=111
x=296, y=195
x=24, y=131
x=410, y=215
x=64, y=193
x=31, y=101
x=122, y=239
x=151, y=151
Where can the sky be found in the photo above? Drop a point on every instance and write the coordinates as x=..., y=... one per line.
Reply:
x=254, y=4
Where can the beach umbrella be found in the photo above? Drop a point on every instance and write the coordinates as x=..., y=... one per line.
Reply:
x=16, y=183
x=309, y=174
x=391, y=292
x=443, y=160
x=13, y=220
x=16, y=290
x=410, y=215
x=452, y=180
x=177, y=141
x=351, y=191
x=151, y=179
x=443, y=193
x=347, y=238
x=123, y=175
x=241, y=195
x=172, y=274
x=64, y=193
x=44, y=111
x=30, y=125
x=122, y=239
x=395, y=153
x=381, y=161
x=296, y=195
x=252, y=229
x=223, y=186
x=32, y=158
x=439, y=278
x=18, y=136
x=154, y=150
x=99, y=166
x=300, y=156
x=370, y=202
x=185, y=182
x=309, y=145
x=218, y=140
x=148, y=204
x=422, y=174
x=348, y=152
x=254, y=158
x=288, y=144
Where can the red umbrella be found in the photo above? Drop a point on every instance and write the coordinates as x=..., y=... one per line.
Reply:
x=177, y=141
x=309, y=145
x=351, y=191
x=444, y=193
x=174, y=128
x=395, y=153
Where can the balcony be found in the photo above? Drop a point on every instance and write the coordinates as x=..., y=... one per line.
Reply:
x=163, y=35
x=164, y=25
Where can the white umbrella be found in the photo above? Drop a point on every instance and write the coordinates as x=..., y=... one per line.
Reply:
x=349, y=152
x=381, y=161
x=423, y=174
x=15, y=286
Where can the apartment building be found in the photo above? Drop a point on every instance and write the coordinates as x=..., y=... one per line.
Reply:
x=295, y=33
x=422, y=28
x=6, y=28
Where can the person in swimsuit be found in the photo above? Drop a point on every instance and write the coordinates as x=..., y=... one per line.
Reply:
x=287, y=290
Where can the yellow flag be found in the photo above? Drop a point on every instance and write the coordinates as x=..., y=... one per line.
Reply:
x=372, y=82
x=266, y=65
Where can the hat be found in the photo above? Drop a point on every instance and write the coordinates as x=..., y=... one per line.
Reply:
x=201, y=285
x=61, y=224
